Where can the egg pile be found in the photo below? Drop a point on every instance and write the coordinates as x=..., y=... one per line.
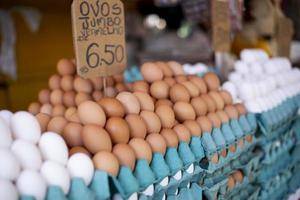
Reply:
x=30, y=164
x=270, y=88
x=166, y=125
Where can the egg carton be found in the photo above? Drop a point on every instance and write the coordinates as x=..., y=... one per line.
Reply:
x=296, y=129
x=295, y=154
x=238, y=187
x=294, y=182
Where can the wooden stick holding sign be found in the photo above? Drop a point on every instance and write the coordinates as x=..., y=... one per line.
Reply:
x=99, y=38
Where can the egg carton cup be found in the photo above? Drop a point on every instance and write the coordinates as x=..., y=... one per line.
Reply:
x=296, y=129
x=280, y=179
x=238, y=187
x=193, y=191
x=213, y=192
x=295, y=154
x=294, y=182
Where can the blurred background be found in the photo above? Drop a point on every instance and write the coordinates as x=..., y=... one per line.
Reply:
x=35, y=34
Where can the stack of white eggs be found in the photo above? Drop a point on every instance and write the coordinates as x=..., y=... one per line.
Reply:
x=30, y=161
x=262, y=83
x=198, y=68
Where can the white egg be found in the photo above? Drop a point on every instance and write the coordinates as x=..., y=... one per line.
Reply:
x=9, y=165
x=81, y=166
x=53, y=148
x=28, y=154
x=5, y=135
x=246, y=91
x=26, y=127
x=31, y=183
x=56, y=175
x=7, y=190
x=235, y=78
x=241, y=67
x=248, y=56
x=6, y=116
x=230, y=87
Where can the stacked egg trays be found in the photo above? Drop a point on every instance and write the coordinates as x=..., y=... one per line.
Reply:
x=150, y=139
x=217, y=175
x=270, y=88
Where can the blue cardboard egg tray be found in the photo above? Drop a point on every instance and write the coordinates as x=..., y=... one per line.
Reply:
x=294, y=182
x=215, y=185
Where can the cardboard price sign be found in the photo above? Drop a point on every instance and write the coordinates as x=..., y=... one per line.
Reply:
x=99, y=37
x=284, y=35
x=220, y=25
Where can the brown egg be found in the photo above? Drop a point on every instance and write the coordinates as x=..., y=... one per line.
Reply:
x=121, y=87
x=58, y=110
x=241, y=143
x=170, y=81
x=69, y=112
x=75, y=150
x=90, y=112
x=130, y=102
x=44, y=96
x=118, y=130
x=166, y=116
x=137, y=126
x=217, y=99
x=199, y=106
x=230, y=183
x=166, y=102
x=56, y=97
x=167, y=71
x=159, y=90
x=47, y=109
x=95, y=139
x=151, y=72
x=65, y=67
x=199, y=83
x=43, y=120
x=212, y=81
x=97, y=83
x=66, y=83
x=107, y=162
x=231, y=111
x=222, y=116
x=226, y=96
x=110, y=92
x=238, y=176
x=57, y=125
x=224, y=153
x=215, y=158
x=69, y=99
x=205, y=124
x=157, y=143
x=192, y=89
x=152, y=121
x=72, y=134
x=145, y=101
x=179, y=93
x=118, y=78
x=112, y=107
x=82, y=97
x=241, y=109
x=215, y=120
x=183, y=133
x=176, y=68
x=141, y=148
x=232, y=148
x=171, y=137
x=193, y=127
x=140, y=86
x=54, y=82
x=180, y=78
x=125, y=155
x=249, y=138
x=82, y=85
x=97, y=95
x=211, y=105
x=184, y=111
x=34, y=108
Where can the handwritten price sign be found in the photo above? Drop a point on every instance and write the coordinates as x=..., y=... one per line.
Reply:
x=99, y=37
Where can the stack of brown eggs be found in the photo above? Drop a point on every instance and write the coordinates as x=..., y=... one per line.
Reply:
x=136, y=120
